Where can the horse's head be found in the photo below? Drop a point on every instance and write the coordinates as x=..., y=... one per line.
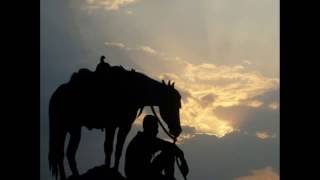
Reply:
x=170, y=109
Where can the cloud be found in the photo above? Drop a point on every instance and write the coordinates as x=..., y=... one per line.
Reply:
x=264, y=135
x=203, y=119
x=263, y=120
x=142, y=48
x=261, y=174
x=107, y=4
x=274, y=105
x=255, y=103
x=231, y=156
x=115, y=44
x=187, y=133
x=207, y=99
x=210, y=86
x=204, y=87
x=231, y=84
x=148, y=49
x=247, y=62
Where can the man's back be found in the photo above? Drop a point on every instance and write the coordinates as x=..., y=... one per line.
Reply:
x=140, y=163
x=138, y=155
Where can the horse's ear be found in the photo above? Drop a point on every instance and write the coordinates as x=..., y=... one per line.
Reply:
x=173, y=85
x=169, y=83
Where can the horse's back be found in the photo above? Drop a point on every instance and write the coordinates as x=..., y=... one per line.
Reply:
x=89, y=98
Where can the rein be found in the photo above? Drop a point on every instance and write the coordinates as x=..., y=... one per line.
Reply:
x=164, y=129
x=171, y=136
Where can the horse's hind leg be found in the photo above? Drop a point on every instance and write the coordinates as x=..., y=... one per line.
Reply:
x=108, y=144
x=75, y=135
x=61, y=169
x=60, y=154
x=122, y=134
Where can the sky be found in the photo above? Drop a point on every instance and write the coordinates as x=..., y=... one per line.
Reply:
x=223, y=56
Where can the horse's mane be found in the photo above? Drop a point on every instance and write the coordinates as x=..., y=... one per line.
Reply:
x=133, y=75
x=140, y=78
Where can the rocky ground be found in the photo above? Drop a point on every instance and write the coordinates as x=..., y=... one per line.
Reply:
x=99, y=173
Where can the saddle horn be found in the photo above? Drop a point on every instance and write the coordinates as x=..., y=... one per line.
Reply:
x=102, y=58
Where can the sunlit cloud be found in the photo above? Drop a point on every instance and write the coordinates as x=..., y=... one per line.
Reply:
x=148, y=49
x=255, y=103
x=261, y=174
x=143, y=48
x=203, y=119
x=107, y=4
x=274, y=105
x=205, y=87
x=264, y=135
x=247, y=62
x=209, y=86
x=115, y=44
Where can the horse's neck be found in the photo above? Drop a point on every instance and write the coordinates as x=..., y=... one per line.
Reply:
x=151, y=92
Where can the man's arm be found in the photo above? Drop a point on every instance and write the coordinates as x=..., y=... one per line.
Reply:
x=176, y=151
x=163, y=145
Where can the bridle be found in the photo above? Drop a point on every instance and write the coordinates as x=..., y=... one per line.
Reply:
x=164, y=129
x=167, y=132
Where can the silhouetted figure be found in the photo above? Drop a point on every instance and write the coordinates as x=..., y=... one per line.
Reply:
x=102, y=67
x=141, y=162
x=108, y=98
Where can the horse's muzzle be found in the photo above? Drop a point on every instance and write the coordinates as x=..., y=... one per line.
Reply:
x=176, y=132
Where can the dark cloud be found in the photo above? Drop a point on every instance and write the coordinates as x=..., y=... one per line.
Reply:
x=229, y=157
x=251, y=119
x=269, y=97
x=188, y=129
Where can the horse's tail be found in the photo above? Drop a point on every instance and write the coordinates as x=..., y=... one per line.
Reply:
x=54, y=134
x=53, y=157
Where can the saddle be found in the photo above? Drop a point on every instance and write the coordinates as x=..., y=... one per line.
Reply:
x=82, y=78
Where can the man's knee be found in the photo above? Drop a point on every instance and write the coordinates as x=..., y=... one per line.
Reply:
x=169, y=153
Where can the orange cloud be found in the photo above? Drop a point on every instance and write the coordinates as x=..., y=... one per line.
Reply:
x=255, y=103
x=148, y=49
x=264, y=135
x=145, y=49
x=107, y=4
x=274, y=105
x=209, y=86
x=261, y=174
x=115, y=44
x=205, y=87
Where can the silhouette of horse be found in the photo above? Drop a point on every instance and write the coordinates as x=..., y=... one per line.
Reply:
x=106, y=99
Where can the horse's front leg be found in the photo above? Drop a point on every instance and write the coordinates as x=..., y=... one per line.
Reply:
x=121, y=137
x=108, y=144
